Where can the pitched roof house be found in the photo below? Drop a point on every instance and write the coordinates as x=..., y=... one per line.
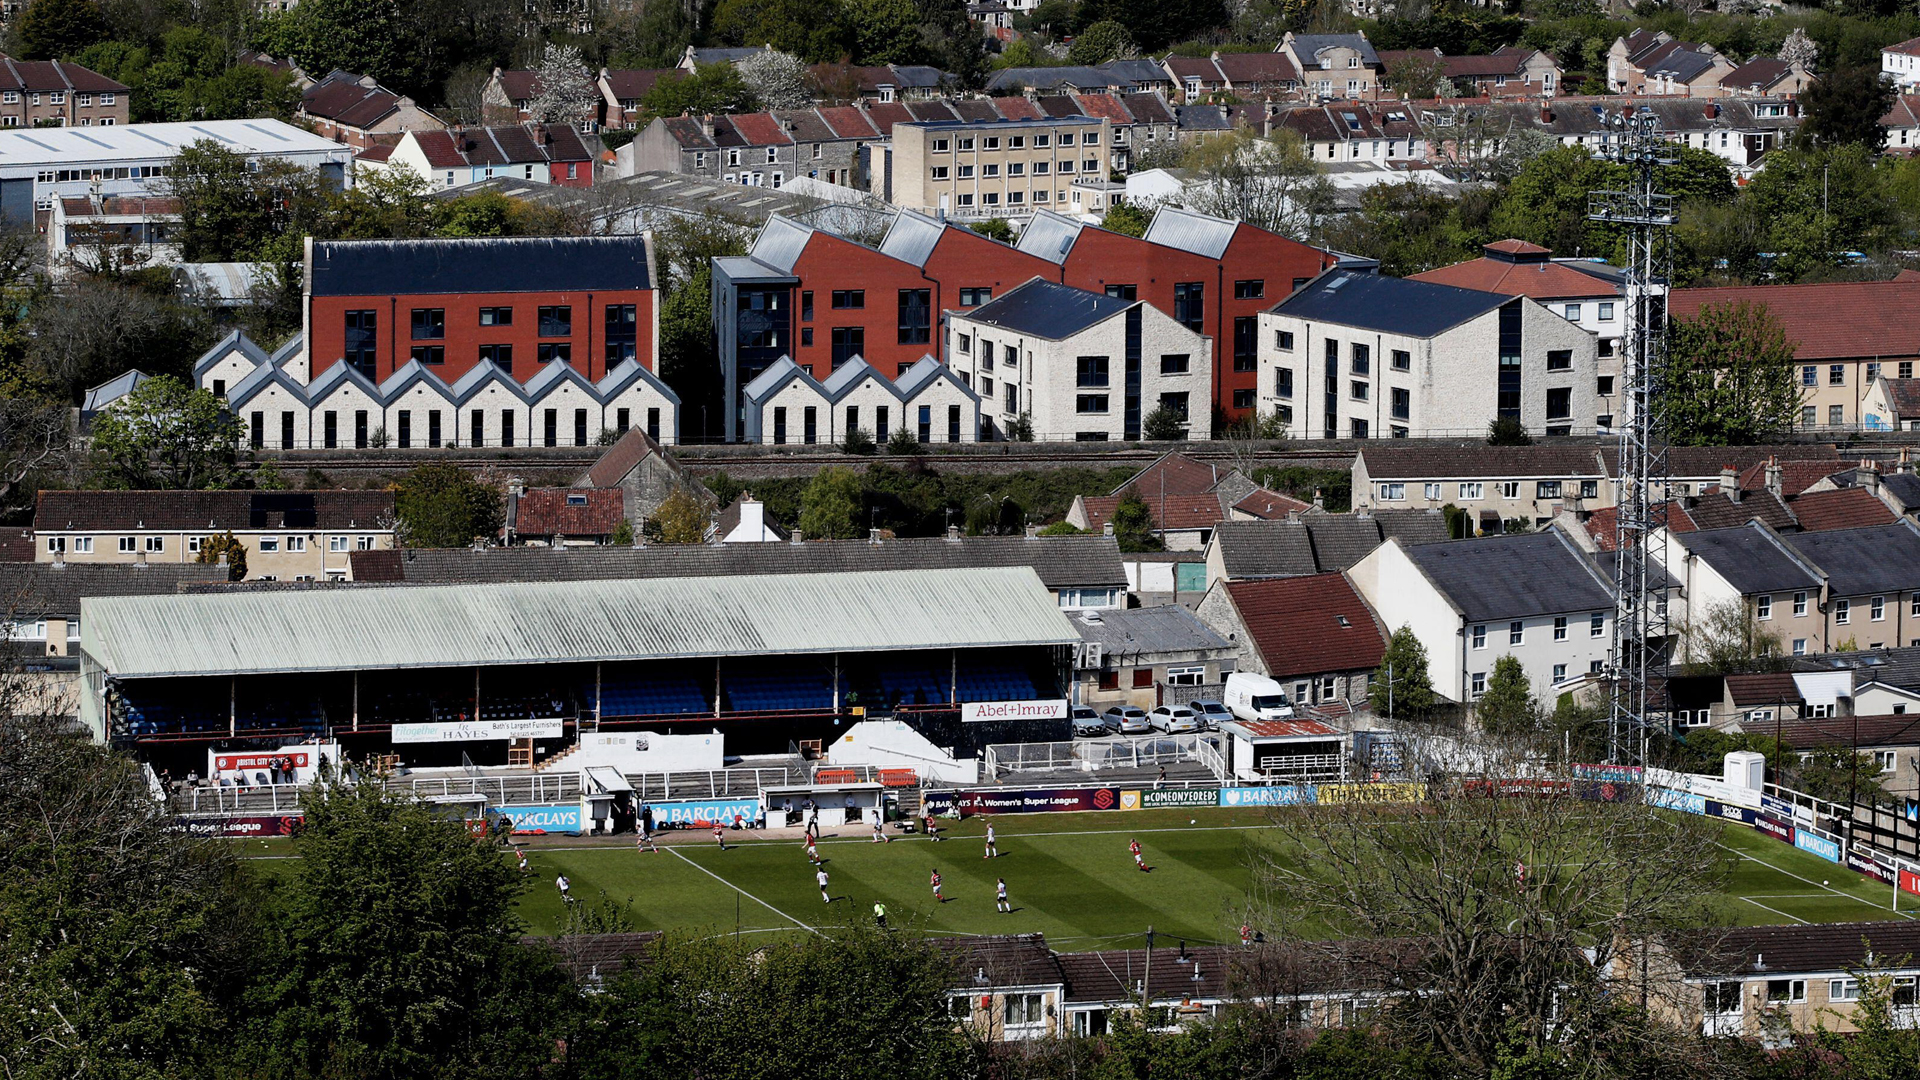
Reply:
x=353, y=109
x=1315, y=631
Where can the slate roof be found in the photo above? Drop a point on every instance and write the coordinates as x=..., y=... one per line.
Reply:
x=724, y=55
x=1882, y=559
x=1014, y=960
x=569, y=511
x=1060, y=561
x=166, y=511
x=1477, y=461
x=1047, y=309
x=1147, y=108
x=1757, y=74
x=1309, y=625
x=36, y=590
x=1898, y=729
x=1115, y=975
x=1514, y=576
x=520, y=144
x=1792, y=949
x=1831, y=320
x=1047, y=78
x=631, y=84
x=1762, y=688
x=402, y=267
x=1137, y=72
x=113, y=390
x=1894, y=667
x=595, y=958
x=1257, y=68
x=343, y=98
x=1750, y=559
x=1315, y=543
x=1166, y=628
x=1309, y=45
x=1845, y=508
x=1387, y=304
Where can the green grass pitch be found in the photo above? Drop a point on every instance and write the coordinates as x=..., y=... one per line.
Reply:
x=1069, y=876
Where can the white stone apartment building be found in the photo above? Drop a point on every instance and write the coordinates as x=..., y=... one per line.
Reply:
x=1533, y=596
x=784, y=405
x=1080, y=365
x=1360, y=356
x=1493, y=484
x=289, y=535
x=1900, y=65
x=993, y=168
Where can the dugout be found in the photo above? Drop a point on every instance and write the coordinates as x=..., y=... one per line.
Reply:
x=509, y=674
x=1285, y=749
x=851, y=803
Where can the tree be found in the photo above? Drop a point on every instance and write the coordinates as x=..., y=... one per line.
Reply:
x=231, y=210
x=816, y=33
x=1163, y=425
x=712, y=88
x=388, y=204
x=1526, y=932
x=1728, y=638
x=858, y=441
x=1731, y=378
x=1270, y=182
x=56, y=29
x=903, y=442
x=1507, y=709
x=679, y=519
x=402, y=46
x=1834, y=773
x=123, y=947
x=35, y=436
x=1101, y=42
x=884, y=31
x=1416, y=75
x=622, y=534
x=224, y=546
x=166, y=434
x=563, y=91
x=395, y=949
x=1799, y=49
x=830, y=509
x=1844, y=107
x=440, y=505
x=1134, y=528
x=994, y=229
x=1402, y=687
x=1818, y=205
x=1126, y=219
x=87, y=337
x=777, y=80
x=1508, y=431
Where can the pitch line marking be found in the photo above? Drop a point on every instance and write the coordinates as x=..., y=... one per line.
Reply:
x=746, y=894
x=1776, y=911
x=1810, y=881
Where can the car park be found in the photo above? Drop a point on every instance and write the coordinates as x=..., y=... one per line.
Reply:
x=1086, y=722
x=1128, y=720
x=1174, y=719
x=1210, y=713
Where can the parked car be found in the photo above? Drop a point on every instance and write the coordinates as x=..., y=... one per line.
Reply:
x=1086, y=722
x=1211, y=713
x=1128, y=720
x=1174, y=719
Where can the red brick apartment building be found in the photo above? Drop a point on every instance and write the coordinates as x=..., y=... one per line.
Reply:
x=519, y=303
x=823, y=299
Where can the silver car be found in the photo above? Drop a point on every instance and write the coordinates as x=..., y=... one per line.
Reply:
x=1211, y=713
x=1174, y=719
x=1086, y=722
x=1128, y=720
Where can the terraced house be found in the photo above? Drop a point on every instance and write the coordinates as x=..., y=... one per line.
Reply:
x=54, y=93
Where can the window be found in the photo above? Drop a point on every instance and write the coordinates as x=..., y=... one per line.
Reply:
x=337, y=543
x=1597, y=625
x=916, y=316
x=556, y=321
x=269, y=544
x=1244, y=399
x=810, y=425
x=550, y=352
x=1393, y=492
x=1246, y=331
x=1837, y=375
x=1402, y=360
x=1092, y=371
x=1786, y=991
x=1189, y=298
x=1843, y=989
x=844, y=299
x=126, y=545
x=975, y=297
x=1516, y=633
x=621, y=333
x=990, y=171
x=1606, y=312
x=1546, y=489
x=1799, y=604
x=1763, y=607
x=1040, y=168
x=1836, y=415
x=1026, y=1008
x=966, y=172
x=1472, y=491
x=941, y=146
x=1560, y=360
x=1283, y=382
x=1249, y=290
x=429, y=324
x=1362, y=359
x=1040, y=141
x=500, y=356
x=1559, y=403
x=1906, y=369
x=1283, y=340
x=361, y=336
x=1431, y=491
x=1572, y=312
x=1479, y=684
x=59, y=97
x=1809, y=376
x=496, y=316
x=1510, y=489
x=429, y=354
x=1480, y=637
x=299, y=543
x=779, y=425
x=1888, y=760
x=1402, y=407
x=964, y=344
x=1173, y=363
x=1090, y=403
x=848, y=342
x=1175, y=404
x=1066, y=138
x=1559, y=673
x=1877, y=609
x=1559, y=628
x=1358, y=390
x=964, y=143
x=1842, y=612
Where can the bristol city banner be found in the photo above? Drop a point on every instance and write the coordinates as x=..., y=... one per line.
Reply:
x=534, y=820
x=231, y=827
x=226, y=763
x=1024, y=801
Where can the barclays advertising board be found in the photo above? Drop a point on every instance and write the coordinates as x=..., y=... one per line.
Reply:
x=1274, y=795
x=555, y=818
x=707, y=812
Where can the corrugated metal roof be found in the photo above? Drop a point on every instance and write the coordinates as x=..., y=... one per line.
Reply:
x=578, y=621
x=912, y=237
x=1049, y=236
x=781, y=242
x=1188, y=231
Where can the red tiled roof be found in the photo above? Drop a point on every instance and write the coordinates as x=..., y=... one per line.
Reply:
x=848, y=122
x=1795, y=476
x=16, y=545
x=1171, y=512
x=54, y=75
x=1058, y=106
x=1271, y=505
x=1288, y=729
x=378, y=152
x=1539, y=280
x=439, y=149
x=1483, y=67
x=1201, y=67
x=630, y=84
x=1257, y=67
x=1518, y=247
x=1296, y=623
x=1017, y=108
x=1104, y=105
x=570, y=511
x=343, y=99
x=760, y=129
x=1909, y=47
x=887, y=114
x=1846, y=508
x=1829, y=321
x=1601, y=524
x=1173, y=474
x=620, y=459
x=1904, y=396
x=1767, y=689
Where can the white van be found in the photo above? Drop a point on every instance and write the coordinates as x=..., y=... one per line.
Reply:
x=1256, y=697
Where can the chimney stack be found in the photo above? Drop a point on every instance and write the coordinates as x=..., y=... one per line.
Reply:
x=1033, y=532
x=798, y=536
x=753, y=515
x=1730, y=483
x=953, y=533
x=1713, y=110
x=1775, y=479
x=1546, y=113
x=1869, y=476
x=1106, y=528
x=1319, y=499
x=873, y=536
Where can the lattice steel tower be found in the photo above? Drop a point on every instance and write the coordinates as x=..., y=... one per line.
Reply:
x=1645, y=218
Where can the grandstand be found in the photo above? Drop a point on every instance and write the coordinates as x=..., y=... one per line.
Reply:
x=770, y=661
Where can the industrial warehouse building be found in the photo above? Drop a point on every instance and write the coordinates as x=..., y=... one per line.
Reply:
x=435, y=673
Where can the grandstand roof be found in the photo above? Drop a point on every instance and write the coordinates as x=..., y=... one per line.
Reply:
x=560, y=622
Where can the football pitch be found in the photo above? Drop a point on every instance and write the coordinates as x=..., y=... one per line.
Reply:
x=1069, y=876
